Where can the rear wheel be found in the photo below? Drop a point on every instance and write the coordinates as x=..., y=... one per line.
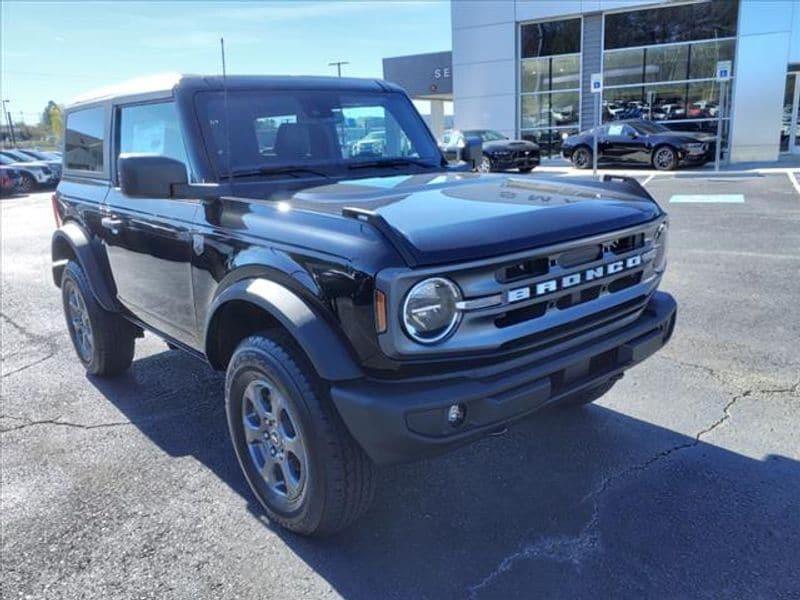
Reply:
x=665, y=158
x=303, y=465
x=103, y=341
x=27, y=183
x=582, y=157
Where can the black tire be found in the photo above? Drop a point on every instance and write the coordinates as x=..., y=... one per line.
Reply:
x=665, y=158
x=582, y=157
x=525, y=169
x=486, y=166
x=112, y=338
x=27, y=183
x=331, y=483
x=587, y=396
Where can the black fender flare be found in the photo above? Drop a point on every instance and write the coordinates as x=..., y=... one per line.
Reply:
x=324, y=347
x=71, y=240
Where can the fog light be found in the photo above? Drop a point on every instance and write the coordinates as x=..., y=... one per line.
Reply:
x=456, y=414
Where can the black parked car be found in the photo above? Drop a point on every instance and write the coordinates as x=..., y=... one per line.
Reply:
x=643, y=142
x=499, y=152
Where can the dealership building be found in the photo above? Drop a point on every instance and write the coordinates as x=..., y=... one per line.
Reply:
x=524, y=68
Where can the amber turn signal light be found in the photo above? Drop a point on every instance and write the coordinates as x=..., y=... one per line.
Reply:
x=380, y=311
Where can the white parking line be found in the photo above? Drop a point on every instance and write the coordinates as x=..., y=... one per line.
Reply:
x=646, y=181
x=793, y=178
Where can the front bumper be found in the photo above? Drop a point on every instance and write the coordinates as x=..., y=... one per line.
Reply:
x=396, y=421
x=515, y=162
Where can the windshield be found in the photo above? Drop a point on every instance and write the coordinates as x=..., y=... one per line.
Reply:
x=327, y=130
x=486, y=135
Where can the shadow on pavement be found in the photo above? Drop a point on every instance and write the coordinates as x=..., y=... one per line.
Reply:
x=571, y=503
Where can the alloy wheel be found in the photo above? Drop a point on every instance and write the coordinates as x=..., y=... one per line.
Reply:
x=581, y=158
x=486, y=165
x=664, y=159
x=79, y=322
x=274, y=441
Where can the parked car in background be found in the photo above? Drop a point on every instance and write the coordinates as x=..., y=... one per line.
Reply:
x=32, y=173
x=639, y=142
x=54, y=163
x=9, y=180
x=499, y=152
x=371, y=144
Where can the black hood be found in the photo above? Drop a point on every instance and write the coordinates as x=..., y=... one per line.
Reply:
x=440, y=218
x=512, y=145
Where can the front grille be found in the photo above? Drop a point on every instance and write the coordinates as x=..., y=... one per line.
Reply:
x=545, y=296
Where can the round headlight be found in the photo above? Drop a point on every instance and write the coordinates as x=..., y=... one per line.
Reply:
x=429, y=311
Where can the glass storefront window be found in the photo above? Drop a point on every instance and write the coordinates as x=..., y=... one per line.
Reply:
x=670, y=63
x=535, y=109
x=623, y=66
x=551, y=38
x=565, y=108
x=566, y=71
x=535, y=74
x=550, y=81
x=705, y=57
x=670, y=24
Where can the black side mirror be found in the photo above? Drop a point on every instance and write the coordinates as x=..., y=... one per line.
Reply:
x=472, y=151
x=150, y=175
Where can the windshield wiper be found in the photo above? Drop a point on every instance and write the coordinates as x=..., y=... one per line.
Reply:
x=391, y=162
x=293, y=170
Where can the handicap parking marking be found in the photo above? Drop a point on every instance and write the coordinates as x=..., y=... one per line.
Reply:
x=707, y=199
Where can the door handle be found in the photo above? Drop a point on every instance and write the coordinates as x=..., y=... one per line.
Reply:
x=111, y=223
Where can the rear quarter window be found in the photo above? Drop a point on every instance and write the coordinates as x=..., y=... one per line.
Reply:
x=84, y=142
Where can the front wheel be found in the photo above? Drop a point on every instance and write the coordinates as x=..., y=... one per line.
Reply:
x=582, y=158
x=665, y=159
x=302, y=464
x=103, y=341
x=485, y=165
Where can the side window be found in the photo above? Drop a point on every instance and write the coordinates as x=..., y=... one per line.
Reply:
x=83, y=140
x=151, y=129
x=615, y=130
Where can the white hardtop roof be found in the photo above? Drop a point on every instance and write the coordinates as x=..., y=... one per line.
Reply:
x=161, y=82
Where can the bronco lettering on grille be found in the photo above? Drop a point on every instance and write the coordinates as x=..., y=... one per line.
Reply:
x=594, y=274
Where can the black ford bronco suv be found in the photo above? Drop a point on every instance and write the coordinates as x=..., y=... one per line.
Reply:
x=369, y=303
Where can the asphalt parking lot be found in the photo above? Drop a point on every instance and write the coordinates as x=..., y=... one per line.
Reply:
x=684, y=481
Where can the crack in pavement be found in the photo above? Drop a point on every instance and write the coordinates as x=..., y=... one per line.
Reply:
x=572, y=549
x=58, y=422
x=50, y=344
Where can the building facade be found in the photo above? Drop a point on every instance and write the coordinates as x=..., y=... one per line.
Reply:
x=523, y=67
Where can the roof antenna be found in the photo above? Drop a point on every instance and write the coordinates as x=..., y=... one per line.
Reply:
x=227, y=114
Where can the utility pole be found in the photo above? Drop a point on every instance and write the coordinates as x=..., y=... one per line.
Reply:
x=338, y=65
x=10, y=122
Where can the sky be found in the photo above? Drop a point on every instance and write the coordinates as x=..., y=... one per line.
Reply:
x=58, y=50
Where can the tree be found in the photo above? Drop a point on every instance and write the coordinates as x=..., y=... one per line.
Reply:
x=53, y=120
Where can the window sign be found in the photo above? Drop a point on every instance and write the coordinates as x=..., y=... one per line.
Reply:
x=724, y=70
x=597, y=83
